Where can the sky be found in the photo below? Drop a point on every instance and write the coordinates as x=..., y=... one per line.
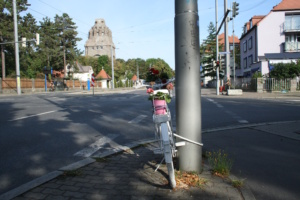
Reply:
x=143, y=28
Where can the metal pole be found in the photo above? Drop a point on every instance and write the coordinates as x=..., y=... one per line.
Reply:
x=3, y=61
x=233, y=51
x=112, y=67
x=227, y=56
x=188, y=83
x=16, y=48
x=217, y=51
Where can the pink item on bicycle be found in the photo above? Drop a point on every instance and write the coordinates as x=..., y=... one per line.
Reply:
x=160, y=107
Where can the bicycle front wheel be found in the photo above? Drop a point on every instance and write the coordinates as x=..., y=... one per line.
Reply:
x=171, y=173
x=168, y=153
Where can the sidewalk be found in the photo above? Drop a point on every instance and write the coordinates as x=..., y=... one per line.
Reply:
x=126, y=175
x=212, y=92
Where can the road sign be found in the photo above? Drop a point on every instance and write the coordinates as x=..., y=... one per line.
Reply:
x=93, y=80
x=224, y=53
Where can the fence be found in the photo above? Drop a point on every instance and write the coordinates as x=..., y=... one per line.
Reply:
x=261, y=84
x=9, y=85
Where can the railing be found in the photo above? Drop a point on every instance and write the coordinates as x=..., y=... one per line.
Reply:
x=271, y=84
x=293, y=27
x=292, y=46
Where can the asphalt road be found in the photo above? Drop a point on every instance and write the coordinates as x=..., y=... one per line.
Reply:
x=44, y=132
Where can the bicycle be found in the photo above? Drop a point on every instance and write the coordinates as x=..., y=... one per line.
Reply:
x=165, y=137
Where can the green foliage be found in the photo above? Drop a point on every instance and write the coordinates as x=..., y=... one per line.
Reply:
x=103, y=62
x=160, y=96
x=286, y=70
x=220, y=163
x=257, y=75
x=208, y=52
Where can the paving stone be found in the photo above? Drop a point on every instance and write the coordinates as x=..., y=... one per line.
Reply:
x=73, y=194
x=52, y=191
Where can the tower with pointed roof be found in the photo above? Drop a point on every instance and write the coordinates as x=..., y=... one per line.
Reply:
x=100, y=40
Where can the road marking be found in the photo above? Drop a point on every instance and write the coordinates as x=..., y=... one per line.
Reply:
x=91, y=149
x=32, y=115
x=243, y=121
x=137, y=119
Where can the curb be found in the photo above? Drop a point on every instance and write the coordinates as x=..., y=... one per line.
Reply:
x=245, y=190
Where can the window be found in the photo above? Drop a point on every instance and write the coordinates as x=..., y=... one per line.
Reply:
x=245, y=46
x=250, y=43
x=292, y=22
x=250, y=58
x=245, y=63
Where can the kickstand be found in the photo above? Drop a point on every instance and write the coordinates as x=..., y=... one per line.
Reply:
x=159, y=164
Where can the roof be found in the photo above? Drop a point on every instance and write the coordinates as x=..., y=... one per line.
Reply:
x=103, y=75
x=287, y=5
x=134, y=78
x=58, y=74
x=83, y=69
x=230, y=39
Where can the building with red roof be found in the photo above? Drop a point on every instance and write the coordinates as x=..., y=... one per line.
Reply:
x=104, y=78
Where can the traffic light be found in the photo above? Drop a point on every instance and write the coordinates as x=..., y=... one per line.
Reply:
x=218, y=64
x=235, y=9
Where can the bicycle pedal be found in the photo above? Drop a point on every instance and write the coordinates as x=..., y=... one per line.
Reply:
x=179, y=144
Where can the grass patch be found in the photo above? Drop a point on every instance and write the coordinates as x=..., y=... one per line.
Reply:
x=238, y=183
x=191, y=179
x=72, y=173
x=220, y=162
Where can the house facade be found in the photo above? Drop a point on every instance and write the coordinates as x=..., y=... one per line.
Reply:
x=270, y=39
x=83, y=73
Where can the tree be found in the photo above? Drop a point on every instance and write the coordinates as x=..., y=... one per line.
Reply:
x=68, y=38
x=105, y=64
x=208, y=52
x=286, y=70
x=7, y=32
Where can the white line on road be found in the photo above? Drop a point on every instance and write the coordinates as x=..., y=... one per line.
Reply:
x=137, y=119
x=32, y=115
x=91, y=149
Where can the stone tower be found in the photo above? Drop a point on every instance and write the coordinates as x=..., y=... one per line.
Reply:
x=100, y=40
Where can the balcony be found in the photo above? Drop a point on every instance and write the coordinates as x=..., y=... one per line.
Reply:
x=292, y=46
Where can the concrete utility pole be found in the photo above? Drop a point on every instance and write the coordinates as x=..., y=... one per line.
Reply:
x=16, y=48
x=188, y=83
x=217, y=52
x=227, y=56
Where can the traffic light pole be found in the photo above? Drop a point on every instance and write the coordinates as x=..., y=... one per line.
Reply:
x=217, y=53
x=188, y=83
